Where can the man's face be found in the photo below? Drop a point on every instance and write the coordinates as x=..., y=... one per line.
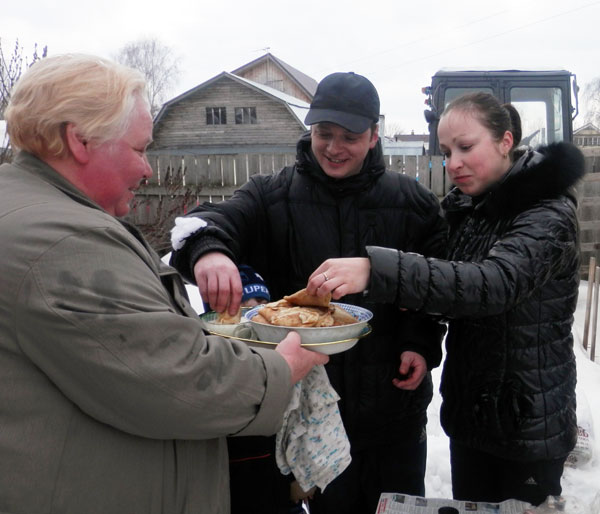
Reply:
x=339, y=152
x=119, y=166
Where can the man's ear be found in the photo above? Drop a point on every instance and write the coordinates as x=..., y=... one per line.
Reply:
x=77, y=144
x=374, y=136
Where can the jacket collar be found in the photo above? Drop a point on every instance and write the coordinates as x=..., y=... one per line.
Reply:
x=29, y=163
x=540, y=174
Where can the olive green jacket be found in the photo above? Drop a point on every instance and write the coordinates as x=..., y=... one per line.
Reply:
x=112, y=399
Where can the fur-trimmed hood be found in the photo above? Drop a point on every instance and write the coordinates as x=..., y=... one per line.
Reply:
x=544, y=173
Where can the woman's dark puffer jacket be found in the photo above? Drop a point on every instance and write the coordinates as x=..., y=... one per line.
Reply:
x=285, y=225
x=510, y=290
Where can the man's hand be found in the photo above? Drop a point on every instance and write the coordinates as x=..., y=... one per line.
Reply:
x=300, y=360
x=340, y=277
x=219, y=282
x=412, y=369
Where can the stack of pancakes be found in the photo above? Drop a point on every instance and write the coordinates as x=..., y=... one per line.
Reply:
x=304, y=310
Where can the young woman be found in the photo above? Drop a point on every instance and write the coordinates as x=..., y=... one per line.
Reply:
x=508, y=290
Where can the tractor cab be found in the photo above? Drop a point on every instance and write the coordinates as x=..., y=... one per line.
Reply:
x=543, y=99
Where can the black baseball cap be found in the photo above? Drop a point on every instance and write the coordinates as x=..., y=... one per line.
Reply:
x=346, y=99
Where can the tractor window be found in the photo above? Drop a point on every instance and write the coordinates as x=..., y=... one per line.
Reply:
x=454, y=92
x=541, y=114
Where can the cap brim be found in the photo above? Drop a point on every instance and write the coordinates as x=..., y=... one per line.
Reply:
x=351, y=122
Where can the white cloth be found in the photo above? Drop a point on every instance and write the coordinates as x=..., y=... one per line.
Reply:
x=185, y=227
x=312, y=443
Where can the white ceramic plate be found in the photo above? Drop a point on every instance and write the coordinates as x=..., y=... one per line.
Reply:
x=327, y=348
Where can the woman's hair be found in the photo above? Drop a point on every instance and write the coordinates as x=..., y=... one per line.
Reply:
x=496, y=117
x=95, y=94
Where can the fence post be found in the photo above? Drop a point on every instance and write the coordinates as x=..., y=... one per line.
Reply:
x=595, y=316
x=588, y=303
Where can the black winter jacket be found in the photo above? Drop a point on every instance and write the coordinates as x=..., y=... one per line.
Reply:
x=510, y=290
x=285, y=225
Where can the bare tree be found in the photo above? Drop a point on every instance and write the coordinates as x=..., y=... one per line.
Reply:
x=591, y=98
x=158, y=64
x=392, y=129
x=154, y=208
x=11, y=67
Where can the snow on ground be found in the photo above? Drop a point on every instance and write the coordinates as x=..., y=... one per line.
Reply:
x=581, y=484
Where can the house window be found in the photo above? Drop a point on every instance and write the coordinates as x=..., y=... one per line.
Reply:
x=245, y=115
x=216, y=116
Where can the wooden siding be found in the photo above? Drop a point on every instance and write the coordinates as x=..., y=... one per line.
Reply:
x=270, y=74
x=184, y=124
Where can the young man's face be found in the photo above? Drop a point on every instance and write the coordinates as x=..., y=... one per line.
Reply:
x=339, y=152
x=118, y=167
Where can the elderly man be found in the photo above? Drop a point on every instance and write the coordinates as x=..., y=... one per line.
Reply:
x=111, y=397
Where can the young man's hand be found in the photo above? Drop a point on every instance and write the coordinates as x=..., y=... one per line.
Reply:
x=219, y=282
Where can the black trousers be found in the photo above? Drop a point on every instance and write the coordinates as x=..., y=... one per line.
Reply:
x=256, y=484
x=479, y=476
x=399, y=468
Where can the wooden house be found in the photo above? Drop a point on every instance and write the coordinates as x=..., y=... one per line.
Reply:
x=259, y=107
x=588, y=135
x=229, y=114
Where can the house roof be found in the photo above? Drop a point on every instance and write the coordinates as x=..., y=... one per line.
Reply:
x=412, y=137
x=588, y=126
x=296, y=106
x=392, y=147
x=308, y=84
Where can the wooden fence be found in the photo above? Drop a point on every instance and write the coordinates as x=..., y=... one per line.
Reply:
x=182, y=181
x=216, y=177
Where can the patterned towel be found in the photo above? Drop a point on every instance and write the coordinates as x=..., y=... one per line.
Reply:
x=312, y=443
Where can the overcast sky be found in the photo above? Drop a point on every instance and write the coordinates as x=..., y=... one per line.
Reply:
x=397, y=44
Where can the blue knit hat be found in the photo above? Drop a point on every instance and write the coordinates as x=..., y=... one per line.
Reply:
x=253, y=284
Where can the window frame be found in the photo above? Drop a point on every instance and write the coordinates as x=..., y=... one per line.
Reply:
x=218, y=114
x=246, y=114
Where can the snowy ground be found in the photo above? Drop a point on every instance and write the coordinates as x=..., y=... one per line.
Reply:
x=581, y=484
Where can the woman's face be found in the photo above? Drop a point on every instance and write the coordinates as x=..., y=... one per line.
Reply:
x=474, y=160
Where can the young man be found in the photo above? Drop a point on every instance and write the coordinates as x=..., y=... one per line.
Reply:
x=111, y=397
x=337, y=199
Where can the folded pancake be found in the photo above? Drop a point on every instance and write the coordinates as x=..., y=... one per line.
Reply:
x=303, y=298
x=224, y=318
x=342, y=317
